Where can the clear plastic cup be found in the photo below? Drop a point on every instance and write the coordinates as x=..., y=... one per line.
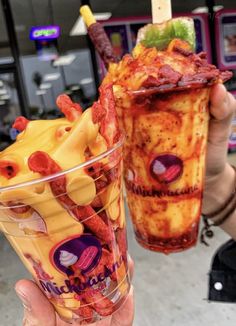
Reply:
x=164, y=164
x=69, y=230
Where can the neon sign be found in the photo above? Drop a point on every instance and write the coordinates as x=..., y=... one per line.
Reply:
x=44, y=33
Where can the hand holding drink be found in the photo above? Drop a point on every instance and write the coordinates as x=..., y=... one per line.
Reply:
x=62, y=207
x=162, y=98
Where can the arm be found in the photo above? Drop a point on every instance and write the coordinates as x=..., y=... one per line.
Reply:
x=220, y=176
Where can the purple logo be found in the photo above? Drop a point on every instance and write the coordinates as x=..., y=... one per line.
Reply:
x=44, y=32
x=80, y=254
x=166, y=168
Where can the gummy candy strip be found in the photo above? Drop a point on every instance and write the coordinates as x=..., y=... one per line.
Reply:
x=20, y=123
x=42, y=163
x=71, y=110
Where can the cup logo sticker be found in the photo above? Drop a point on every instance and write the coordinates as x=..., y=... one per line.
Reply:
x=82, y=254
x=166, y=168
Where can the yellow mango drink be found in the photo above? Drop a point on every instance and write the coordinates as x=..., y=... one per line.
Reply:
x=61, y=207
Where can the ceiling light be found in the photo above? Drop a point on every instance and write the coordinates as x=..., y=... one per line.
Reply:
x=79, y=27
x=20, y=28
x=2, y=102
x=64, y=60
x=5, y=97
x=6, y=60
x=45, y=86
x=3, y=91
x=75, y=88
x=86, y=81
x=41, y=92
x=201, y=10
x=50, y=77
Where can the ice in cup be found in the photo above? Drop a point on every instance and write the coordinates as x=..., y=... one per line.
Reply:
x=162, y=101
x=62, y=208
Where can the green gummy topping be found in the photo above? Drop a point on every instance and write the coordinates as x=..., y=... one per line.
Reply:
x=160, y=35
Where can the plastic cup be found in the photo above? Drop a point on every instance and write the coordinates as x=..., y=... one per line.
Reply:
x=164, y=163
x=73, y=243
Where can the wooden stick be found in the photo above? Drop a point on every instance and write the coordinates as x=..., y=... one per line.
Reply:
x=161, y=11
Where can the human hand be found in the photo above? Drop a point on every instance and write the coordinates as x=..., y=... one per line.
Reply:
x=38, y=311
x=218, y=172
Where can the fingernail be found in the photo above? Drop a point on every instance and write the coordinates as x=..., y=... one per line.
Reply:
x=24, y=300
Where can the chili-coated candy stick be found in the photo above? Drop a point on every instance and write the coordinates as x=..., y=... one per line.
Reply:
x=42, y=163
x=106, y=260
x=98, y=36
x=98, y=112
x=121, y=239
x=109, y=125
x=71, y=110
x=95, y=170
x=88, y=216
x=18, y=208
x=86, y=312
x=20, y=123
x=97, y=203
x=101, y=304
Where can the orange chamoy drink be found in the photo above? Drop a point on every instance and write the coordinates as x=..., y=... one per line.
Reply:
x=162, y=99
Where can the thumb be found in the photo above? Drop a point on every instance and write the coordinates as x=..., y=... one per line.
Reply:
x=38, y=310
x=222, y=109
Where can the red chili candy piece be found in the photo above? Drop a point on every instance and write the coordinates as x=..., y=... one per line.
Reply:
x=90, y=219
x=71, y=110
x=42, y=163
x=121, y=239
x=97, y=203
x=95, y=170
x=85, y=312
x=101, y=304
x=20, y=123
x=98, y=112
x=18, y=208
x=8, y=169
x=109, y=125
